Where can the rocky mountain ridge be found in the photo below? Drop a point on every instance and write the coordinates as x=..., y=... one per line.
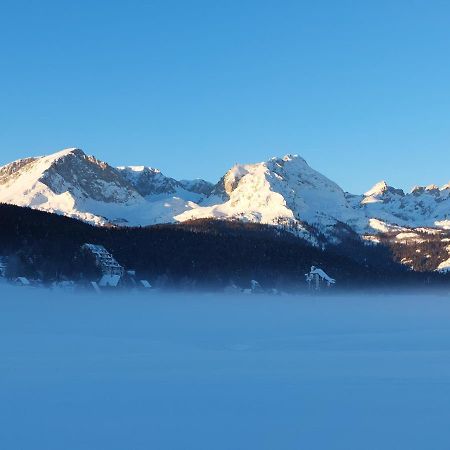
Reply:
x=284, y=192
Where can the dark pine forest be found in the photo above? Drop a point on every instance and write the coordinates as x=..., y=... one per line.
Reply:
x=199, y=254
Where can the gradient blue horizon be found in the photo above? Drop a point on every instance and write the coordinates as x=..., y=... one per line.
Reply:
x=358, y=89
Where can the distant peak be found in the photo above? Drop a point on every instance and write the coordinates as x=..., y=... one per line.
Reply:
x=77, y=152
x=382, y=188
x=379, y=188
x=68, y=151
x=432, y=188
x=289, y=158
x=417, y=190
x=48, y=159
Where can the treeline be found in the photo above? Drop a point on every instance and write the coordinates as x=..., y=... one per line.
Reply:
x=197, y=254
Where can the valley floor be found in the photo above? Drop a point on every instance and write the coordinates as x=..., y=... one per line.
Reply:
x=219, y=372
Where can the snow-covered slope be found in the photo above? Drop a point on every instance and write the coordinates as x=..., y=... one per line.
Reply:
x=279, y=191
x=72, y=183
x=423, y=207
x=68, y=182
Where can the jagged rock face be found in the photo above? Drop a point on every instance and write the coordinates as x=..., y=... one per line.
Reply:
x=151, y=182
x=218, y=192
x=148, y=181
x=78, y=174
x=11, y=171
x=425, y=206
x=197, y=186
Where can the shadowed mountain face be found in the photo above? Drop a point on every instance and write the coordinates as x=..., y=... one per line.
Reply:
x=84, y=175
x=151, y=182
x=148, y=181
x=285, y=192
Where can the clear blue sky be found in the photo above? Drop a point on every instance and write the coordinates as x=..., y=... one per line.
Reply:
x=360, y=89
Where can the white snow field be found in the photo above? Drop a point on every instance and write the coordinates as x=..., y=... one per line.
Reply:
x=224, y=372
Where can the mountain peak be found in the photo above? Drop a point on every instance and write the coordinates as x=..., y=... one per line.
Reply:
x=431, y=188
x=382, y=188
x=417, y=190
x=289, y=158
x=65, y=152
x=378, y=189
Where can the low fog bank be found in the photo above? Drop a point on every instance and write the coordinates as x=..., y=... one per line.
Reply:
x=203, y=371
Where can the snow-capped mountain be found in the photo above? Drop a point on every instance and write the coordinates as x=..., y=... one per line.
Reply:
x=151, y=183
x=148, y=181
x=68, y=182
x=74, y=184
x=423, y=207
x=282, y=191
x=416, y=224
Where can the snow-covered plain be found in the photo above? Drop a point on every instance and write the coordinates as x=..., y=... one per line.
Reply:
x=193, y=371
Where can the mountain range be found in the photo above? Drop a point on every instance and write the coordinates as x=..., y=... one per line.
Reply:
x=285, y=192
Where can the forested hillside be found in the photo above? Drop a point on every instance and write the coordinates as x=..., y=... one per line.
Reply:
x=197, y=254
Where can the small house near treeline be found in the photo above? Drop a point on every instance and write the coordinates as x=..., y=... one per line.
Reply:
x=318, y=279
